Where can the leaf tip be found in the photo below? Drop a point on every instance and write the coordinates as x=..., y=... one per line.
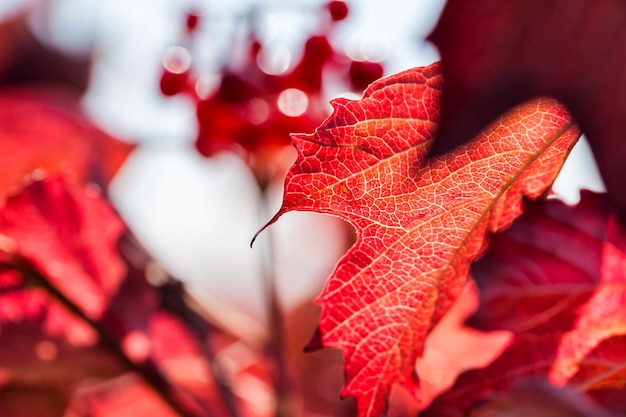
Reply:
x=257, y=235
x=268, y=224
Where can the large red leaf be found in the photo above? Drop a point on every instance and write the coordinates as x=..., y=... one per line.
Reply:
x=43, y=129
x=419, y=224
x=557, y=280
x=496, y=54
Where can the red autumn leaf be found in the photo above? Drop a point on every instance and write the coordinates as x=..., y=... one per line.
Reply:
x=22, y=301
x=419, y=224
x=497, y=54
x=42, y=128
x=68, y=236
x=557, y=280
x=63, y=274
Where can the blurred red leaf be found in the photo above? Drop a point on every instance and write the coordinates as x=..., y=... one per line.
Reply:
x=70, y=237
x=38, y=369
x=55, y=239
x=557, y=280
x=258, y=103
x=179, y=356
x=497, y=54
x=64, y=271
x=43, y=129
x=419, y=223
x=537, y=398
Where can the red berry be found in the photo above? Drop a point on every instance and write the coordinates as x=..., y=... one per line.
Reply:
x=317, y=49
x=338, y=10
x=192, y=21
x=173, y=83
x=307, y=75
x=234, y=90
x=363, y=73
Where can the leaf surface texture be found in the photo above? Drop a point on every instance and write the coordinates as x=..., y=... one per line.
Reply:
x=419, y=223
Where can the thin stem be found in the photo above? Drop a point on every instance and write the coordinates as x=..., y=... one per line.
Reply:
x=175, y=302
x=276, y=324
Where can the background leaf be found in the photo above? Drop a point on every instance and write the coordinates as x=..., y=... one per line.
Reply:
x=74, y=292
x=556, y=279
x=70, y=237
x=43, y=129
x=497, y=54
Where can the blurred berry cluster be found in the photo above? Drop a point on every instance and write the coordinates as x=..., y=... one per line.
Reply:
x=253, y=109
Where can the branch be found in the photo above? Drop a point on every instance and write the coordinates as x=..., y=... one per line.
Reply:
x=147, y=370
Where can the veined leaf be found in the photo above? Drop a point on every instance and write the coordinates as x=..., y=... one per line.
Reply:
x=557, y=280
x=419, y=223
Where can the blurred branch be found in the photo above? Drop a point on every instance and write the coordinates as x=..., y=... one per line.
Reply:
x=176, y=300
x=276, y=344
x=147, y=370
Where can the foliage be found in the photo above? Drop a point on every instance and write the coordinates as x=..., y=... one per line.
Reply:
x=444, y=172
x=419, y=223
x=526, y=49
